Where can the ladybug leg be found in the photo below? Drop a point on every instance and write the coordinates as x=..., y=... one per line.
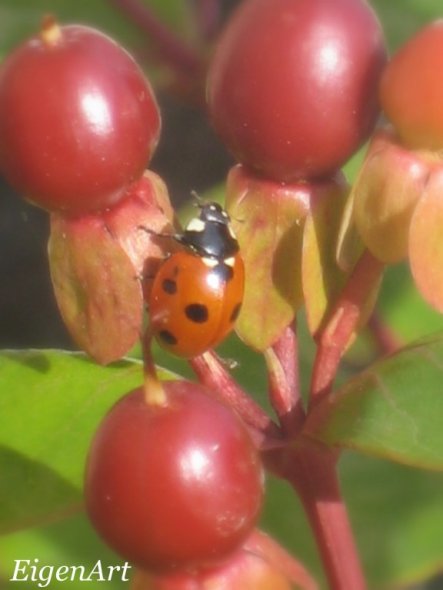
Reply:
x=177, y=237
x=229, y=364
x=151, y=232
x=149, y=275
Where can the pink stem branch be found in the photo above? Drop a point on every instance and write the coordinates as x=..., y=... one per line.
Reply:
x=385, y=339
x=212, y=373
x=312, y=472
x=284, y=384
x=208, y=15
x=171, y=49
x=342, y=323
x=152, y=387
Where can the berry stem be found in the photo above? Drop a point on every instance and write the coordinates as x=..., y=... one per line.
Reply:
x=284, y=386
x=312, y=472
x=208, y=17
x=211, y=372
x=152, y=387
x=172, y=50
x=384, y=337
x=50, y=32
x=335, y=337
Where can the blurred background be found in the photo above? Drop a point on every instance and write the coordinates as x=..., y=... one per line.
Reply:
x=398, y=539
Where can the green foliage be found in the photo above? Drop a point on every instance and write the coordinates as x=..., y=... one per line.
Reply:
x=51, y=403
x=391, y=410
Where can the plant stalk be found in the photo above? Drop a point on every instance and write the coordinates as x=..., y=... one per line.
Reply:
x=284, y=384
x=384, y=337
x=342, y=323
x=211, y=372
x=312, y=472
x=171, y=49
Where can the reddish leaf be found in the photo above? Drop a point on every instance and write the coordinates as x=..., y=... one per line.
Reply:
x=268, y=218
x=97, y=266
x=322, y=278
x=426, y=241
x=349, y=243
x=385, y=194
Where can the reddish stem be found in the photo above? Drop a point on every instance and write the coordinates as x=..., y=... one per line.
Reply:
x=342, y=323
x=312, y=472
x=384, y=337
x=284, y=383
x=152, y=386
x=208, y=15
x=172, y=50
x=211, y=372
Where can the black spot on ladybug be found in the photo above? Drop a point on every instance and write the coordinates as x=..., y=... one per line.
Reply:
x=169, y=286
x=167, y=337
x=196, y=312
x=235, y=312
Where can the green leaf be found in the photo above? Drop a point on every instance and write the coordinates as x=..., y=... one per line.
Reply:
x=72, y=542
x=393, y=409
x=50, y=405
x=397, y=514
x=404, y=309
x=414, y=15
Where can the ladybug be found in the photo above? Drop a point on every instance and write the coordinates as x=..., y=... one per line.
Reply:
x=197, y=292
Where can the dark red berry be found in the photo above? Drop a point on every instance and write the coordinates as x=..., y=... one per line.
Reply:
x=245, y=570
x=78, y=120
x=292, y=89
x=173, y=486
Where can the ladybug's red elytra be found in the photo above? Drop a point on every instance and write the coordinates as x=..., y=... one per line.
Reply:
x=197, y=292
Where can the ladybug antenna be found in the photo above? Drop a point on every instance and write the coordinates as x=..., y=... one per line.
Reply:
x=156, y=234
x=198, y=200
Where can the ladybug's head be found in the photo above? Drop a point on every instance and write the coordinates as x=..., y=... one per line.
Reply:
x=213, y=213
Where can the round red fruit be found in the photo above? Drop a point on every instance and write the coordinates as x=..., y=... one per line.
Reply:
x=78, y=120
x=245, y=570
x=292, y=89
x=173, y=486
x=411, y=92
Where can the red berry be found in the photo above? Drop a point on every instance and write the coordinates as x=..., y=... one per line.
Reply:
x=292, y=89
x=411, y=92
x=245, y=570
x=173, y=486
x=78, y=121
